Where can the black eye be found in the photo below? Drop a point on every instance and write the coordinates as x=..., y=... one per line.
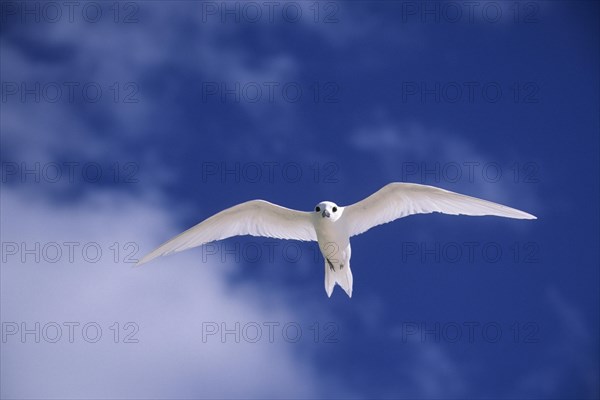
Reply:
x=318, y=209
x=334, y=209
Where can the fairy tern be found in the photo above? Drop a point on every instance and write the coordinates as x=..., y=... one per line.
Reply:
x=331, y=225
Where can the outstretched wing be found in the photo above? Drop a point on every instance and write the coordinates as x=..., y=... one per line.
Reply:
x=255, y=218
x=397, y=200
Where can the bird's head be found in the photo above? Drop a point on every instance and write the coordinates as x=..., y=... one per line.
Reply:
x=329, y=210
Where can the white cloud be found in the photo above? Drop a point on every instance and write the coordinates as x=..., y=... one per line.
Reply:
x=169, y=301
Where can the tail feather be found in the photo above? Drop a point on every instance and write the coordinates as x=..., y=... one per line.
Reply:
x=340, y=274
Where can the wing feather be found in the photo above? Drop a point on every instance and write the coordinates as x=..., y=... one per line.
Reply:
x=255, y=218
x=398, y=200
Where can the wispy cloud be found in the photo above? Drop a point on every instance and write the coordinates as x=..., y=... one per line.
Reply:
x=571, y=364
x=168, y=301
x=418, y=153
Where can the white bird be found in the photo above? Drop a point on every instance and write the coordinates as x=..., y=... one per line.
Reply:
x=332, y=225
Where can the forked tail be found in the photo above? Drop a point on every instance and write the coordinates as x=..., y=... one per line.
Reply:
x=340, y=273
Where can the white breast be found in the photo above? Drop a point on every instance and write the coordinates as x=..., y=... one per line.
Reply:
x=332, y=237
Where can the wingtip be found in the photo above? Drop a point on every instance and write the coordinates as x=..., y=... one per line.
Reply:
x=518, y=214
x=141, y=262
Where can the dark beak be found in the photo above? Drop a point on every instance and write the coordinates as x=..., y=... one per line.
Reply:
x=325, y=213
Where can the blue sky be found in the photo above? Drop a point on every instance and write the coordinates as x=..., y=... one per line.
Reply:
x=140, y=119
